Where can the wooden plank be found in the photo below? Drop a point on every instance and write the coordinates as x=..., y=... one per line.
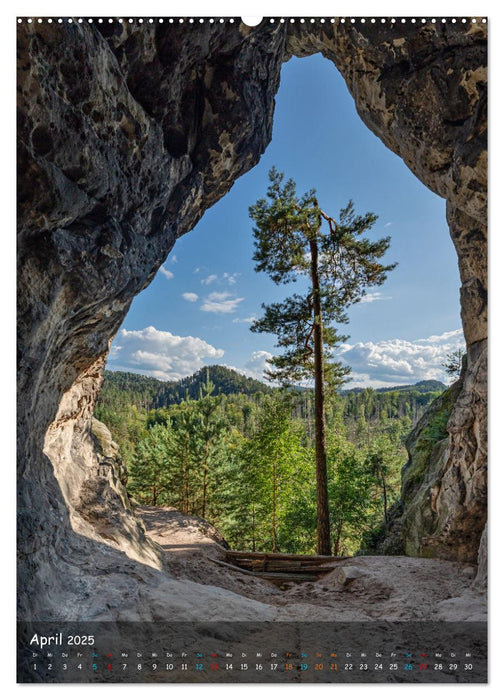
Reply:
x=299, y=569
x=287, y=566
x=278, y=555
x=231, y=566
x=265, y=574
x=319, y=570
x=270, y=576
x=274, y=577
x=322, y=570
x=279, y=567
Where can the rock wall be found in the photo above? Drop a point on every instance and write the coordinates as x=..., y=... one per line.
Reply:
x=126, y=135
x=428, y=447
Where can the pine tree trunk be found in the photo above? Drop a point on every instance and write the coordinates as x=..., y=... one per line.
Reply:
x=186, y=480
x=253, y=529
x=205, y=472
x=274, y=523
x=384, y=490
x=323, y=524
x=338, y=540
x=205, y=477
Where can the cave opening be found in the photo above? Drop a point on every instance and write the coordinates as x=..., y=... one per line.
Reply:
x=198, y=309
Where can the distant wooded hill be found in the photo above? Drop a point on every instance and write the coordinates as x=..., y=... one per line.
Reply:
x=149, y=393
x=128, y=388
x=422, y=387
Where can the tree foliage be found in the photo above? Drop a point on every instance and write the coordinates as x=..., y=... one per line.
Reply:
x=291, y=242
x=260, y=448
x=276, y=465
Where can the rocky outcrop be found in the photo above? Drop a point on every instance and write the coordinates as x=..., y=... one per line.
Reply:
x=459, y=499
x=423, y=521
x=109, y=455
x=126, y=135
x=481, y=580
x=428, y=448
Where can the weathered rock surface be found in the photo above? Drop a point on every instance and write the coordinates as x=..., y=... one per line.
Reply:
x=481, y=580
x=126, y=135
x=347, y=574
x=109, y=455
x=424, y=521
x=459, y=499
x=428, y=447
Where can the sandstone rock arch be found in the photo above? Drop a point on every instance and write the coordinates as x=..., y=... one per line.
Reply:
x=127, y=134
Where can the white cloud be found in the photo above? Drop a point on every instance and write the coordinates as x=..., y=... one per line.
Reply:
x=161, y=354
x=167, y=273
x=397, y=361
x=364, y=380
x=257, y=364
x=451, y=337
x=389, y=223
x=174, y=259
x=221, y=303
x=245, y=373
x=231, y=278
x=370, y=297
x=190, y=296
x=226, y=278
x=250, y=319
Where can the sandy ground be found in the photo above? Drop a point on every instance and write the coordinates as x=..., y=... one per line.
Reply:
x=387, y=588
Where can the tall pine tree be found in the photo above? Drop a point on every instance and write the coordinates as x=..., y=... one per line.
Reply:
x=339, y=264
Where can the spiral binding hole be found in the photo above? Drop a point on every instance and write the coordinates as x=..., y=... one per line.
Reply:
x=272, y=20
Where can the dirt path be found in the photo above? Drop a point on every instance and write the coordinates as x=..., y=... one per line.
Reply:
x=379, y=588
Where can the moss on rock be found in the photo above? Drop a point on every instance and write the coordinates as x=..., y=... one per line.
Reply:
x=428, y=448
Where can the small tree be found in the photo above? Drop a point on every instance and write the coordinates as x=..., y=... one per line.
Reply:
x=186, y=446
x=453, y=363
x=350, y=487
x=275, y=465
x=383, y=458
x=290, y=241
x=208, y=435
x=151, y=479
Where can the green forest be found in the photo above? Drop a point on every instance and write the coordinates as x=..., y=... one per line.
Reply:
x=240, y=454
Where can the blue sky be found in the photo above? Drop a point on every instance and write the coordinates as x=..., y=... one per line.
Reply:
x=199, y=307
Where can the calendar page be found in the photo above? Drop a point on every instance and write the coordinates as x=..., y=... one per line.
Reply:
x=252, y=364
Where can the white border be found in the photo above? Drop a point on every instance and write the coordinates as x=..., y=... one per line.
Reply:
x=229, y=9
